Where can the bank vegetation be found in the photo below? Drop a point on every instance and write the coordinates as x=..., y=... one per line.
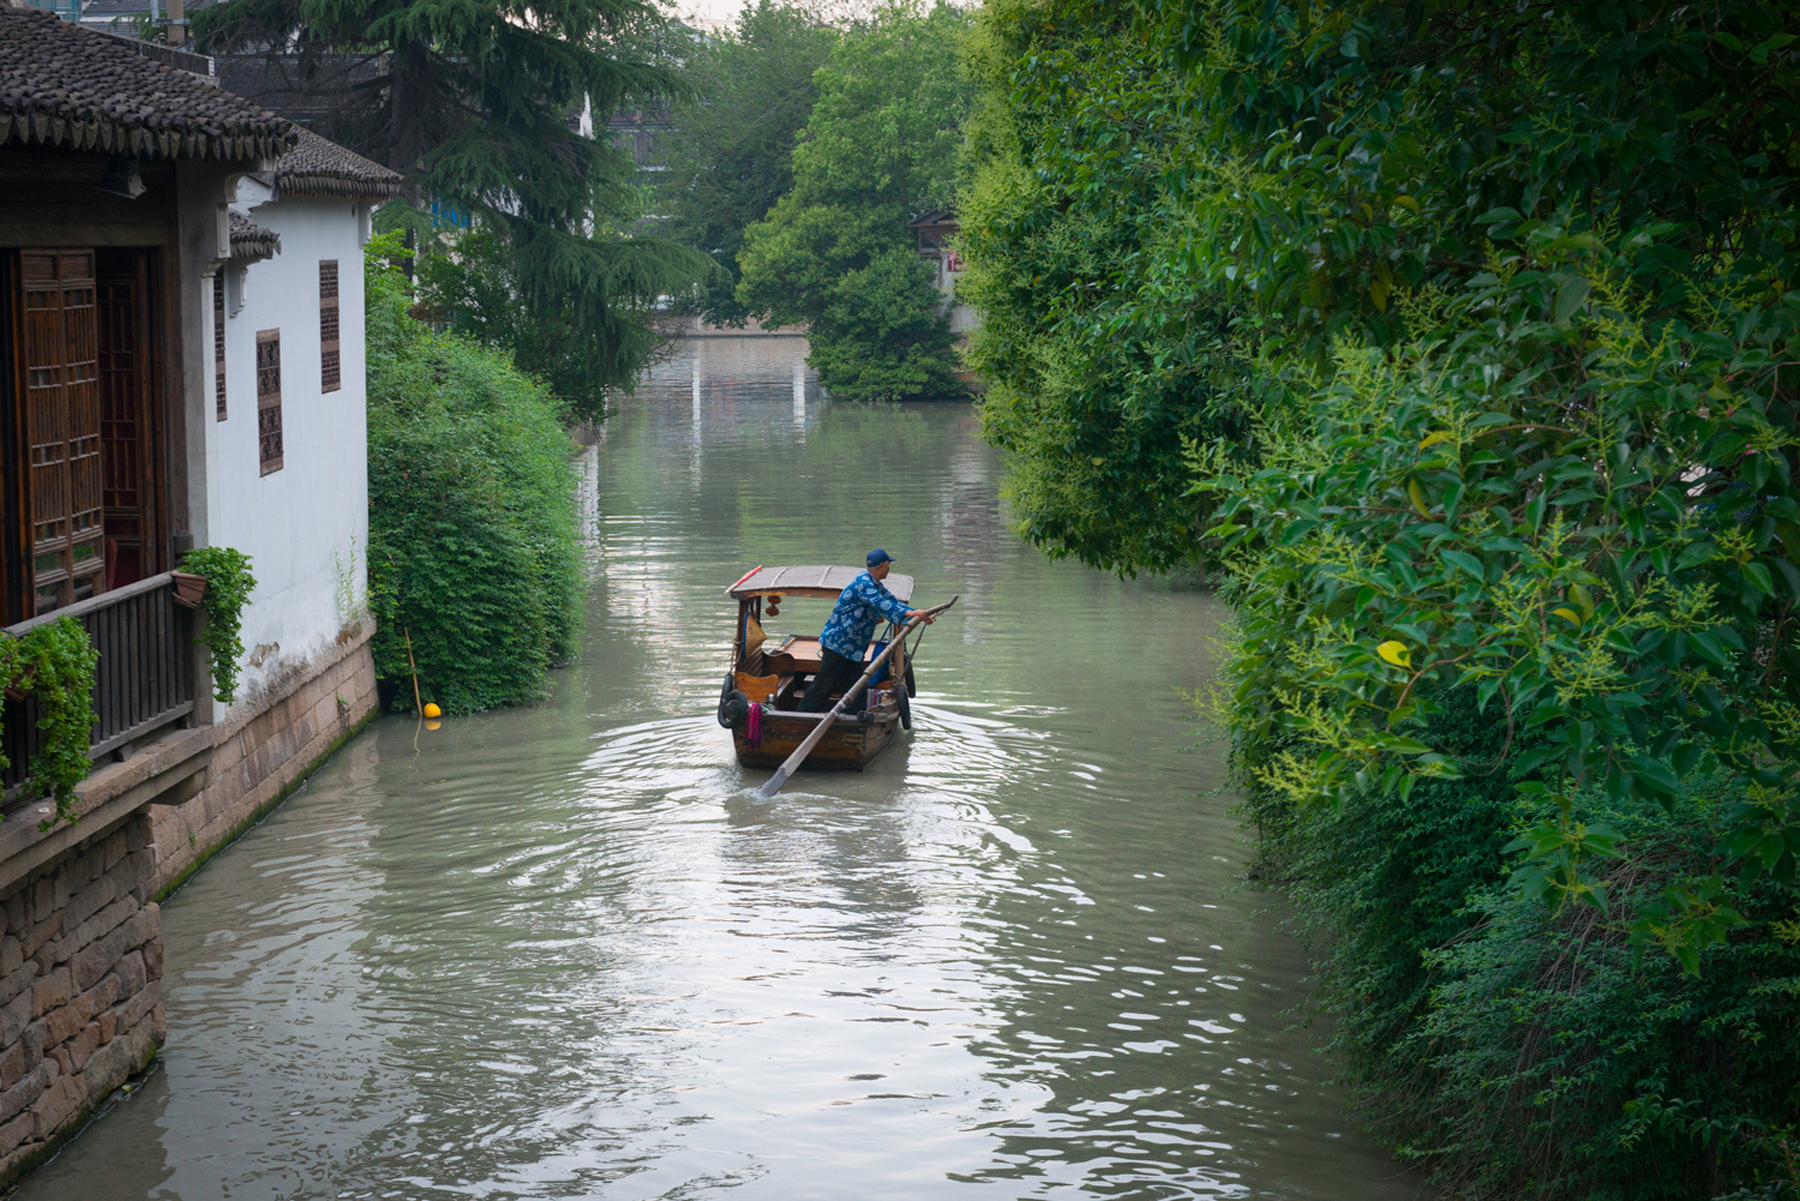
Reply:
x=1459, y=342
x=475, y=569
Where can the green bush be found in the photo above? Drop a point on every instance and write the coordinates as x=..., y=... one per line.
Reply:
x=1381, y=883
x=474, y=557
x=1518, y=1053
x=1480, y=322
x=1565, y=1063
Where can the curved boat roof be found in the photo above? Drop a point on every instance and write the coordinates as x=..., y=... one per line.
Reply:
x=811, y=581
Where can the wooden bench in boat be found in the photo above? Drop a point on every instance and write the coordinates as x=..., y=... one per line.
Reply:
x=795, y=656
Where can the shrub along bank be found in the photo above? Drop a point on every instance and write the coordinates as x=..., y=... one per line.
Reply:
x=1461, y=339
x=475, y=571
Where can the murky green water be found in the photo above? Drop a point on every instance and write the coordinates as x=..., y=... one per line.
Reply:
x=562, y=953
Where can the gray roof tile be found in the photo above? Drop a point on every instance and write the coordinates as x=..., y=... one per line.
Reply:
x=79, y=89
x=251, y=241
x=316, y=167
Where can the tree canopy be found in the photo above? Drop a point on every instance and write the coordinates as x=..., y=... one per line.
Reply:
x=834, y=253
x=1102, y=358
x=473, y=103
x=729, y=154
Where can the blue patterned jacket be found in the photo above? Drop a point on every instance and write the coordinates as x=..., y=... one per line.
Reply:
x=859, y=607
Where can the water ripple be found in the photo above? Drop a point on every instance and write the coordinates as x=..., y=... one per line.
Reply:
x=563, y=952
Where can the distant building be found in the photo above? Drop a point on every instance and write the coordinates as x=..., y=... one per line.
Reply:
x=936, y=232
x=637, y=131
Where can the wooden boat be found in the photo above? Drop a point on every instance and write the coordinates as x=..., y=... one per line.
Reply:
x=773, y=674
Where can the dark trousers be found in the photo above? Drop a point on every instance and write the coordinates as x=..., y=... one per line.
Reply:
x=836, y=673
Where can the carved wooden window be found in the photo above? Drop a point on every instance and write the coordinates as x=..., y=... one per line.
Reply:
x=219, y=343
x=60, y=361
x=268, y=398
x=328, y=326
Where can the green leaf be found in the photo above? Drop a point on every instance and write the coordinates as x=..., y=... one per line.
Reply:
x=1655, y=773
x=1696, y=554
x=1531, y=760
x=1467, y=562
x=1570, y=296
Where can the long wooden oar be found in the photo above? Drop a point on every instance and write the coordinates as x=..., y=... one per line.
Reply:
x=773, y=786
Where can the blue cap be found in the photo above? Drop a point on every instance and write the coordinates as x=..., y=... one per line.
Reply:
x=878, y=556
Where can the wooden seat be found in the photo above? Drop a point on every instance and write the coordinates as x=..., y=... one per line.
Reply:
x=758, y=688
x=795, y=655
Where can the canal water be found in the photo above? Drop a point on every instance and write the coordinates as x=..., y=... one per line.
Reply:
x=562, y=952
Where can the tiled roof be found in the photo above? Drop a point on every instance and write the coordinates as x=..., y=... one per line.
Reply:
x=79, y=89
x=934, y=217
x=316, y=167
x=251, y=241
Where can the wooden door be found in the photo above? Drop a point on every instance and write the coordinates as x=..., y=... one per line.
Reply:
x=58, y=356
x=128, y=427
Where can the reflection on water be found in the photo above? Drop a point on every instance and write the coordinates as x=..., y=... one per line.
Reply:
x=563, y=952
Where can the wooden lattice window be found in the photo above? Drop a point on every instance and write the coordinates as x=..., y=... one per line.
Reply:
x=268, y=398
x=219, y=343
x=329, y=377
x=60, y=356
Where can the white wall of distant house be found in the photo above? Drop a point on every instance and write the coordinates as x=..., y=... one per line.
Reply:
x=306, y=526
x=963, y=318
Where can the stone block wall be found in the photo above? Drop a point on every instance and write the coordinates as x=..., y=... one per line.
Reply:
x=80, y=987
x=80, y=932
x=262, y=752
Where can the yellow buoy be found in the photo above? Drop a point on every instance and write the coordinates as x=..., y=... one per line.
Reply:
x=431, y=709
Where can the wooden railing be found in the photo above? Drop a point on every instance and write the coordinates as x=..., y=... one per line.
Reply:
x=144, y=679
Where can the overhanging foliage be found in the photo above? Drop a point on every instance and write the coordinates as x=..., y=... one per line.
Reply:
x=1505, y=319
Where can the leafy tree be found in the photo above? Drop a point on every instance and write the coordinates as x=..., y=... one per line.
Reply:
x=1103, y=359
x=472, y=103
x=834, y=253
x=468, y=281
x=729, y=154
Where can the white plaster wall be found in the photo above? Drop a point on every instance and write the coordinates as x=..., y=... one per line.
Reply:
x=963, y=318
x=306, y=526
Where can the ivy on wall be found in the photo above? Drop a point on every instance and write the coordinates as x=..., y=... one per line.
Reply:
x=54, y=664
x=228, y=586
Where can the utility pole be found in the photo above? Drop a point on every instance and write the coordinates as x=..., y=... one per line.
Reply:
x=177, y=23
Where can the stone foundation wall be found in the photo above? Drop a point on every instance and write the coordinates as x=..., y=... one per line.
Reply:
x=80, y=987
x=80, y=932
x=262, y=753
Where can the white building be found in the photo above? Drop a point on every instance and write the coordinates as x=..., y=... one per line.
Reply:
x=287, y=449
x=181, y=366
x=936, y=232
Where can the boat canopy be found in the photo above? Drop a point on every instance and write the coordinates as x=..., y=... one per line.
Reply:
x=811, y=581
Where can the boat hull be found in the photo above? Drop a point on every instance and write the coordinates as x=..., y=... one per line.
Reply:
x=848, y=746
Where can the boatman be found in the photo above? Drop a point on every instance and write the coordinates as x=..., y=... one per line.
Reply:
x=859, y=607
